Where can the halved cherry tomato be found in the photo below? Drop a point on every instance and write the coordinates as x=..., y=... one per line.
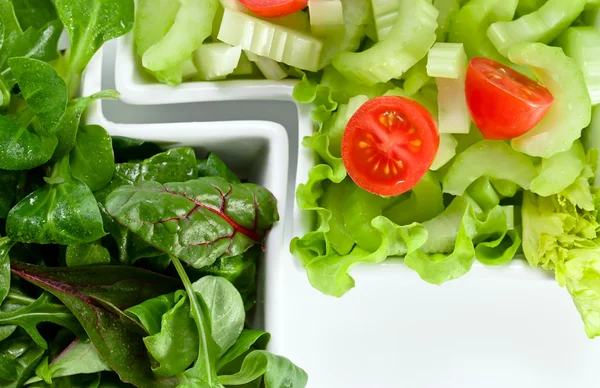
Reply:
x=504, y=104
x=274, y=8
x=389, y=144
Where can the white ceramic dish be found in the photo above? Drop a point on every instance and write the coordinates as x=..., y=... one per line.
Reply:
x=495, y=327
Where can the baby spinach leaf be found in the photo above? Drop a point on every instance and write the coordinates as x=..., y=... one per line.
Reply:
x=86, y=254
x=9, y=19
x=247, y=340
x=278, y=371
x=63, y=212
x=214, y=166
x=90, y=23
x=5, y=245
x=128, y=149
x=174, y=217
x=66, y=132
x=8, y=190
x=43, y=89
x=23, y=145
x=92, y=159
x=42, y=310
x=24, y=355
x=149, y=313
x=97, y=296
x=34, y=13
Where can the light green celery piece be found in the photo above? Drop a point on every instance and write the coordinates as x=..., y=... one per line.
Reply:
x=356, y=16
x=528, y=6
x=244, y=67
x=448, y=63
x=334, y=127
x=583, y=45
x=216, y=60
x=188, y=69
x=416, y=77
x=326, y=17
x=192, y=25
x=234, y=5
x=385, y=13
x=268, y=67
x=446, y=151
x=406, y=44
x=591, y=16
x=447, y=11
x=591, y=137
x=343, y=89
x=471, y=23
x=430, y=105
x=270, y=40
x=425, y=202
x=492, y=159
x=543, y=25
x=560, y=171
x=571, y=110
x=298, y=21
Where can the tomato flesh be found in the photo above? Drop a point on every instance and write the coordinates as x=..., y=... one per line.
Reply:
x=389, y=144
x=274, y=8
x=504, y=103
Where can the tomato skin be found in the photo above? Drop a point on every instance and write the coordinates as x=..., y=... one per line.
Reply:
x=389, y=144
x=503, y=103
x=274, y=8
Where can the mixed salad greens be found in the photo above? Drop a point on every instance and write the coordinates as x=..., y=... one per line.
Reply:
x=122, y=264
x=448, y=131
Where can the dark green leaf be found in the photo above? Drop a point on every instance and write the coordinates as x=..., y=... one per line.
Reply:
x=66, y=132
x=79, y=381
x=42, y=310
x=214, y=166
x=149, y=313
x=9, y=18
x=24, y=146
x=34, y=13
x=197, y=221
x=128, y=149
x=24, y=354
x=86, y=254
x=8, y=190
x=43, y=89
x=92, y=159
x=257, y=339
x=5, y=245
x=6, y=331
x=63, y=212
x=97, y=296
x=8, y=368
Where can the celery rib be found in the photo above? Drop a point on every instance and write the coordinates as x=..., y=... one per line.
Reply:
x=385, y=13
x=326, y=16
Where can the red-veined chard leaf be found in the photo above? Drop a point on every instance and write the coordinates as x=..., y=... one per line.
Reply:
x=197, y=221
x=97, y=296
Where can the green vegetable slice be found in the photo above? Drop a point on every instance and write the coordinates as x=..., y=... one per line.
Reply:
x=326, y=17
x=446, y=151
x=560, y=171
x=216, y=60
x=385, y=13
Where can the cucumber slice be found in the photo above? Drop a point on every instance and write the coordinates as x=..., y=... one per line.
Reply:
x=326, y=17
x=571, y=110
x=543, y=25
x=583, y=45
x=492, y=159
x=446, y=151
x=216, y=60
x=407, y=43
x=268, y=67
x=385, y=13
x=269, y=40
x=559, y=171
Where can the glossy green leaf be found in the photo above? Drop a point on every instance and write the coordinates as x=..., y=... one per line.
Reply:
x=5, y=245
x=9, y=18
x=64, y=212
x=34, y=13
x=92, y=159
x=128, y=149
x=24, y=355
x=86, y=254
x=173, y=217
x=8, y=190
x=214, y=166
x=97, y=296
x=247, y=340
x=79, y=381
x=149, y=313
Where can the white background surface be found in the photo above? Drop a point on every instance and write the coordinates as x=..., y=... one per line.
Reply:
x=495, y=327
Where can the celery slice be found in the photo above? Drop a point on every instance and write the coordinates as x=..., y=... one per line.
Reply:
x=447, y=10
x=337, y=124
x=268, y=67
x=430, y=105
x=298, y=21
x=407, y=43
x=326, y=16
x=416, y=77
x=591, y=138
x=591, y=16
x=244, y=67
x=192, y=25
x=446, y=151
x=216, y=60
x=543, y=25
x=471, y=23
x=233, y=5
x=528, y=6
x=571, y=110
x=448, y=63
x=188, y=69
x=583, y=45
x=385, y=13
x=269, y=40
x=559, y=172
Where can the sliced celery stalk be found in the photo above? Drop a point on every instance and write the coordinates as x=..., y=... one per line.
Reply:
x=571, y=110
x=430, y=105
x=446, y=151
x=188, y=69
x=583, y=45
x=471, y=23
x=216, y=24
x=233, y=5
x=558, y=172
x=298, y=21
x=326, y=16
x=416, y=77
x=385, y=13
x=448, y=63
x=270, y=68
x=543, y=25
x=337, y=124
x=528, y=6
x=216, y=60
x=591, y=137
x=244, y=67
x=407, y=43
x=591, y=15
x=269, y=40
x=192, y=25
x=447, y=10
